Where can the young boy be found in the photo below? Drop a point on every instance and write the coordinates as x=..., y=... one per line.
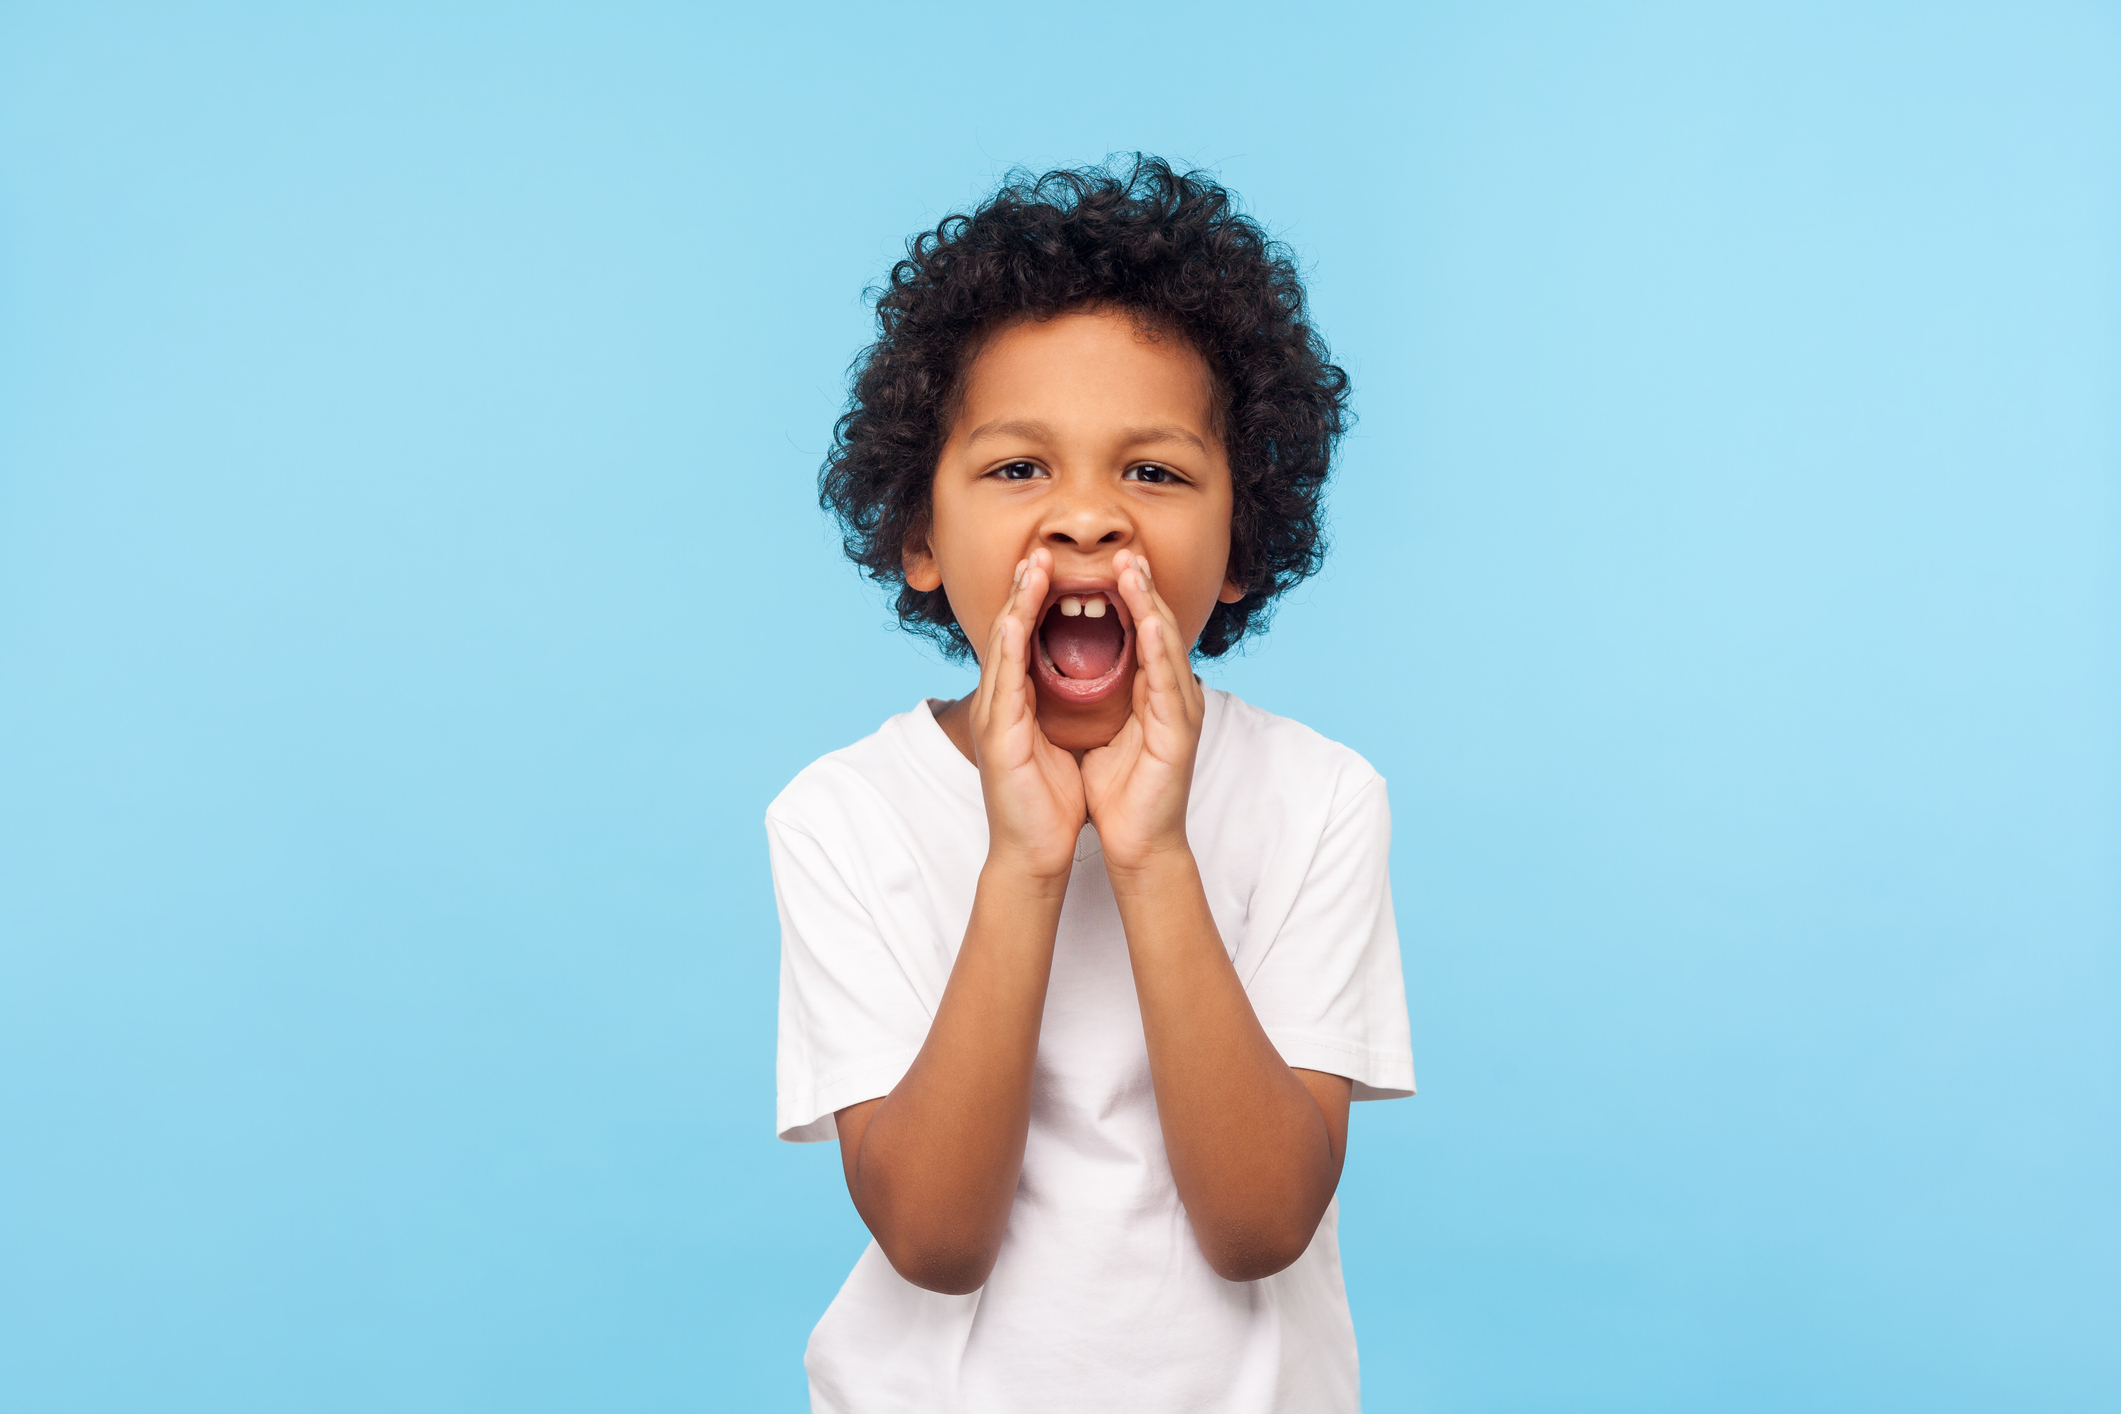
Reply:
x=1083, y=969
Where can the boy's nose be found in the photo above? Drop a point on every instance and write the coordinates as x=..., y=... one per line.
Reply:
x=1086, y=524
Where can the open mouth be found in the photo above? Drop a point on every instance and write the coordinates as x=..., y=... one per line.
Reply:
x=1084, y=646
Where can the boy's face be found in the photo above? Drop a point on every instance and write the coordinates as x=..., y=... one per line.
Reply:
x=1085, y=435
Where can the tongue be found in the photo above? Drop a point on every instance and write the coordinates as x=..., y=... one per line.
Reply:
x=1083, y=647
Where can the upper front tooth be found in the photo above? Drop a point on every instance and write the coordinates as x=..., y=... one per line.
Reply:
x=1094, y=608
x=1071, y=606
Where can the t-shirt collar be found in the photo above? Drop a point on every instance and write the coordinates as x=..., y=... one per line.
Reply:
x=939, y=753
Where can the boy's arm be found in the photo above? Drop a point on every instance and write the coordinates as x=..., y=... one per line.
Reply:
x=932, y=1167
x=1255, y=1147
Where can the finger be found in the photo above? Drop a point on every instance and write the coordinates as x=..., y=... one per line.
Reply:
x=1138, y=587
x=1156, y=662
x=1158, y=641
x=1031, y=588
x=1013, y=692
x=1180, y=649
x=1023, y=613
x=989, y=661
x=1010, y=675
x=1171, y=686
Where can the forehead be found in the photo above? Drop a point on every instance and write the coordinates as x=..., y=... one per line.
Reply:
x=1088, y=367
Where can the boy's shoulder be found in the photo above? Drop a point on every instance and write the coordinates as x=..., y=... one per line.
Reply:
x=1251, y=748
x=891, y=770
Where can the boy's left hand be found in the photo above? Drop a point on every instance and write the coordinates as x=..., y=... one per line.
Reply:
x=1136, y=785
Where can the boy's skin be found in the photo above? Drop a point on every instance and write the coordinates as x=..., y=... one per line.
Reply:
x=1084, y=449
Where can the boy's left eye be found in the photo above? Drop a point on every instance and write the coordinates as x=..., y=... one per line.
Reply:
x=1150, y=472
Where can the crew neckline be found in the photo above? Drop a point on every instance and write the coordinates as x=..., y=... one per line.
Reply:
x=936, y=747
x=941, y=753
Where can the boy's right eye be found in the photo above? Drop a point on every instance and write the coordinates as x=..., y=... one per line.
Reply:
x=1018, y=471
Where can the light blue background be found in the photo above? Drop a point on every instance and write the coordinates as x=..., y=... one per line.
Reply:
x=411, y=592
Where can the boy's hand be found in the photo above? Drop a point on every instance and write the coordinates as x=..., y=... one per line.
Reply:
x=1136, y=785
x=1033, y=791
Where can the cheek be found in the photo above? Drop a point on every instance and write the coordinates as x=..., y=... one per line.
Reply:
x=1191, y=575
x=976, y=575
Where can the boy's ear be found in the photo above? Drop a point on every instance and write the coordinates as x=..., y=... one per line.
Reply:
x=922, y=572
x=1231, y=592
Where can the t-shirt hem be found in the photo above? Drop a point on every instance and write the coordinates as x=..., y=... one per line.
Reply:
x=1378, y=1075
x=806, y=1115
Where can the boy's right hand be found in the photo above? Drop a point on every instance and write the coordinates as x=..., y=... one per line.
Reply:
x=1033, y=789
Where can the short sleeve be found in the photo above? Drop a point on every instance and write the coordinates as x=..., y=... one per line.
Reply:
x=1328, y=990
x=851, y=1019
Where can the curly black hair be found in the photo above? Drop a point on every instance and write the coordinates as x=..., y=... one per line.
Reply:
x=1172, y=250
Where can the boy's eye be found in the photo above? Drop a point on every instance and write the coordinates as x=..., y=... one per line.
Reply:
x=1150, y=472
x=1019, y=471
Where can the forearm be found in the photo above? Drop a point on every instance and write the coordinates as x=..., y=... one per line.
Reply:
x=1251, y=1149
x=933, y=1166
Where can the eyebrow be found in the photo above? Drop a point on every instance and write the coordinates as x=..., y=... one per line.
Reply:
x=1035, y=431
x=1144, y=436
x=1014, y=427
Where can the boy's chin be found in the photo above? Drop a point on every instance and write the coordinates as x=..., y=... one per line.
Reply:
x=1085, y=726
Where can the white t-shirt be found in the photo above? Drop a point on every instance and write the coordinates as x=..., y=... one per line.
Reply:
x=1100, y=1299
